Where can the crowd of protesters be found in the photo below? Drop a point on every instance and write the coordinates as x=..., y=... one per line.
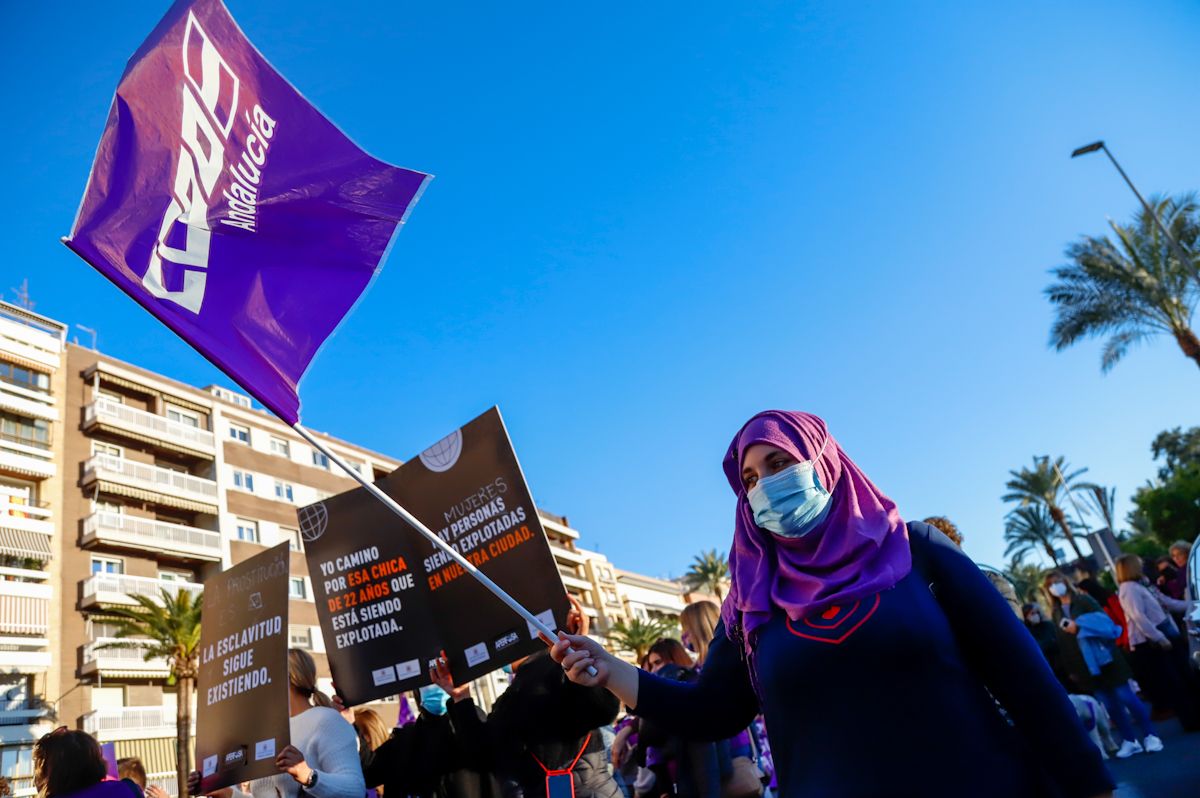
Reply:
x=855, y=655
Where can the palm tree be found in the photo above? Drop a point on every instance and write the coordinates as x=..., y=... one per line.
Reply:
x=1026, y=579
x=170, y=630
x=1047, y=483
x=638, y=635
x=1028, y=528
x=1132, y=288
x=708, y=571
x=1103, y=501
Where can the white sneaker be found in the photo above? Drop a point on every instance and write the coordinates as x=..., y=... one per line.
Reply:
x=1152, y=744
x=1129, y=748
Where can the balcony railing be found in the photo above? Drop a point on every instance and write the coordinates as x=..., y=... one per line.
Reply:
x=105, y=411
x=24, y=608
x=131, y=722
x=29, y=516
x=96, y=657
x=27, y=401
x=146, y=533
x=25, y=455
x=150, y=477
x=120, y=589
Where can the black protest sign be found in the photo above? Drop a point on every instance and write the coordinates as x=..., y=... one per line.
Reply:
x=468, y=488
x=371, y=603
x=242, y=685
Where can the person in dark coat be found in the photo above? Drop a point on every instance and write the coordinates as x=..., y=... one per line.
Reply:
x=542, y=722
x=1046, y=635
x=428, y=758
x=838, y=612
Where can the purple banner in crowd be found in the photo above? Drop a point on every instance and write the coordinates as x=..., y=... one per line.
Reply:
x=230, y=208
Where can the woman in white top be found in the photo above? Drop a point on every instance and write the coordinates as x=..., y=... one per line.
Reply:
x=1153, y=637
x=323, y=757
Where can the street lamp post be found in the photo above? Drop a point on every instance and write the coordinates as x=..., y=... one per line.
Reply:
x=1180, y=252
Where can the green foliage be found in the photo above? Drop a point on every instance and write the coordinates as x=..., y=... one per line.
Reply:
x=1133, y=287
x=1144, y=546
x=638, y=635
x=1172, y=507
x=1177, y=449
x=170, y=630
x=1026, y=579
x=709, y=571
x=1028, y=529
x=1047, y=484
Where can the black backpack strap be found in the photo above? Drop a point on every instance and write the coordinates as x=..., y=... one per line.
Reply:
x=918, y=542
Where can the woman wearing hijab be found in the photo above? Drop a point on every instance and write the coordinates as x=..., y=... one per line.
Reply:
x=862, y=639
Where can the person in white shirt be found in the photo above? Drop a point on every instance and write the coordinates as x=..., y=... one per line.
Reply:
x=323, y=757
x=1153, y=637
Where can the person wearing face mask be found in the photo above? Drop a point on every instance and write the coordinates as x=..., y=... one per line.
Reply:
x=1087, y=639
x=837, y=608
x=427, y=758
x=542, y=736
x=1046, y=635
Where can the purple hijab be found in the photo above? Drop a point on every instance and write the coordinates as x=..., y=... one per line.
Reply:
x=859, y=549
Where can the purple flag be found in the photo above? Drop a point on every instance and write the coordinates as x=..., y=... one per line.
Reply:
x=230, y=208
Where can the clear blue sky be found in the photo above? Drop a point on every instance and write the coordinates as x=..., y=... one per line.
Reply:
x=652, y=220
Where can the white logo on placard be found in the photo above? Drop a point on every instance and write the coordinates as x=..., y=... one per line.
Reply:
x=264, y=749
x=210, y=766
x=384, y=676
x=507, y=641
x=546, y=617
x=313, y=520
x=407, y=670
x=256, y=602
x=476, y=654
x=444, y=454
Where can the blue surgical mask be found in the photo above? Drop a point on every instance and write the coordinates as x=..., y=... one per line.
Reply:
x=434, y=699
x=791, y=503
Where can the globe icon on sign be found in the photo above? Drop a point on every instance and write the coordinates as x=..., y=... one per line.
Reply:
x=444, y=454
x=313, y=520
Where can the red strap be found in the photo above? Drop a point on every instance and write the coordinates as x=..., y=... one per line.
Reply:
x=574, y=762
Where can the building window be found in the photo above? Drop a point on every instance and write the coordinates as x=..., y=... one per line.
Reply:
x=16, y=762
x=297, y=588
x=28, y=431
x=281, y=447
x=174, y=576
x=239, y=433
x=108, y=449
x=107, y=565
x=247, y=530
x=292, y=536
x=185, y=417
x=112, y=396
x=320, y=460
x=283, y=490
x=300, y=637
x=243, y=480
x=25, y=378
x=356, y=466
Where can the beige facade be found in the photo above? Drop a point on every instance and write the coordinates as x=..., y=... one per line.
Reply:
x=31, y=425
x=164, y=485
x=117, y=482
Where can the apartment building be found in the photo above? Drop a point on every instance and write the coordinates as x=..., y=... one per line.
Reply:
x=31, y=350
x=165, y=484
x=117, y=482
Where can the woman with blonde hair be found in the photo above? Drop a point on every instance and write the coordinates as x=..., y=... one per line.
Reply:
x=699, y=622
x=1153, y=637
x=322, y=760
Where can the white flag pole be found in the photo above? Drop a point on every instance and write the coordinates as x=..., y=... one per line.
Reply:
x=548, y=634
